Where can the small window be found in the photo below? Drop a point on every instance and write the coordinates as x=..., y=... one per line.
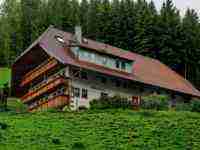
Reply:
x=103, y=80
x=125, y=85
x=123, y=65
x=104, y=61
x=117, y=64
x=104, y=94
x=84, y=93
x=75, y=92
x=60, y=39
x=118, y=83
x=92, y=57
x=84, y=75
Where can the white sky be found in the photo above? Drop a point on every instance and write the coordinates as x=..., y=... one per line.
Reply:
x=182, y=4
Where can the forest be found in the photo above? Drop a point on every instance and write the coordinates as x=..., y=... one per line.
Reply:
x=132, y=25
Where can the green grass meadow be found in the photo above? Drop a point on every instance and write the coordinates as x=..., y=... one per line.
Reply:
x=115, y=129
x=5, y=76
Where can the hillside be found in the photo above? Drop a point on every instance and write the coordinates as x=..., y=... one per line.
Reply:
x=103, y=130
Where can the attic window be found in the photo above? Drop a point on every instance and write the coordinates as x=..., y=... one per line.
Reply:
x=60, y=39
x=85, y=41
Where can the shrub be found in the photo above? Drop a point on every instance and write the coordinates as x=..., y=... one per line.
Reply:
x=3, y=126
x=82, y=108
x=156, y=102
x=56, y=141
x=67, y=109
x=78, y=146
x=110, y=102
x=183, y=107
x=195, y=105
x=21, y=107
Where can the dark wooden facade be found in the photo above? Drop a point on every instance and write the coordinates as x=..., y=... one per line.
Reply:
x=46, y=86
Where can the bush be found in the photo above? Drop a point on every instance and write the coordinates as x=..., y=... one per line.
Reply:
x=156, y=102
x=183, y=107
x=20, y=107
x=195, y=105
x=110, y=102
x=82, y=108
x=78, y=146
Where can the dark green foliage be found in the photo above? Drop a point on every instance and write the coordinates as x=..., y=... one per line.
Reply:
x=183, y=107
x=82, y=108
x=110, y=102
x=56, y=141
x=78, y=146
x=195, y=104
x=156, y=102
x=3, y=126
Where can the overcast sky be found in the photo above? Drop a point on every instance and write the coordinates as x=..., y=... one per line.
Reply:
x=182, y=4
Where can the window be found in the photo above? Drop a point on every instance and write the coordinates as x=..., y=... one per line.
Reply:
x=118, y=83
x=104, y=94
x=60, y=39
x=75, y=92
x=102, y=79
x=125, y=85
x=84, y=75
x=104, y=61
x=92, y=57
x=84, y=93
x=123, y=65
x=117, y=64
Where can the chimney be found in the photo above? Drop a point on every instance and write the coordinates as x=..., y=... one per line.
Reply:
x=78, y=34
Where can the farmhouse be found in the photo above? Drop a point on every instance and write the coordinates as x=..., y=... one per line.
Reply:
x=61, y=69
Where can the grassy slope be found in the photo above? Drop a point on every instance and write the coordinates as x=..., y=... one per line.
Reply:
x=5, y=76
x=113, y=129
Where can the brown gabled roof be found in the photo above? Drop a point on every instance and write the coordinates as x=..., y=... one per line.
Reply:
x=145, y=69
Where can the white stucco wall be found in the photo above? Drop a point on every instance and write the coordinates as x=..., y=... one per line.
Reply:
x=96, y=87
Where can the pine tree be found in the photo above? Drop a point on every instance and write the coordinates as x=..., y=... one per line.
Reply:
x=145, y=27
x=84, y=7
x=191, y=45
x=168, y=29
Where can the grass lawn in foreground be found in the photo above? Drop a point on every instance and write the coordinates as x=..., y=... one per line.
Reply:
x=102, y=130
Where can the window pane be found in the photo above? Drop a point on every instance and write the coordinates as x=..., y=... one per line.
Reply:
x=117, y=64
x=123, y=66
x=84, y=75
x=104, y=94
x=84, y=93
x=75, y=92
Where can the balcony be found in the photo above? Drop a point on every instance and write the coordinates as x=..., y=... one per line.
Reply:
x=44, y=67
x=49, y=85
x=56, y=102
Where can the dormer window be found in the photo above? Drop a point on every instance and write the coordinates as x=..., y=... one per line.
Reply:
x=123, y=65
x=105, y=60
x=60, y=39
x=117, y=64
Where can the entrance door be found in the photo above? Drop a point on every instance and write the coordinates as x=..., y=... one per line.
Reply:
x=136, y=102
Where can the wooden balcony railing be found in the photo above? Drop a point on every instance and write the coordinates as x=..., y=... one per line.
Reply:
x=47, y=65
x=56, y=102
x=48, y=86
x=44, y=82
